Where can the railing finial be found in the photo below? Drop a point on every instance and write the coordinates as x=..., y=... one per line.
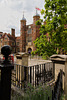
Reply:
x=6, y=51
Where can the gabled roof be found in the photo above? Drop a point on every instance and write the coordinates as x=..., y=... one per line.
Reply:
x=4, y=35
x=9, y=36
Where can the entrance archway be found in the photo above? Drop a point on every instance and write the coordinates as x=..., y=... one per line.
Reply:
x=29, y=50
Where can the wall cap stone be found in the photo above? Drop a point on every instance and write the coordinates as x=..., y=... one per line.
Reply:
x=21, y=54
x=58, y=57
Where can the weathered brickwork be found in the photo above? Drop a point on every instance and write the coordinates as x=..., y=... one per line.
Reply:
x=8, y=39
x=28, y=34
x=1, y=34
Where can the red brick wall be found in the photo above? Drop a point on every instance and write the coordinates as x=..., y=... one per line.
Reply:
x=23, y=35
x=13, y=32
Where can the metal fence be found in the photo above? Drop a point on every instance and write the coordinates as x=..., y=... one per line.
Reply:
x=21, y=75
x=57, y=91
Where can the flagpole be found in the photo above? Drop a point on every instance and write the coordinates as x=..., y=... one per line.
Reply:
x=23, y=14
x=36, y=11
x=38, y=8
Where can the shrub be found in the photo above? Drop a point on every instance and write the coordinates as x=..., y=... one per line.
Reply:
x=39, y=93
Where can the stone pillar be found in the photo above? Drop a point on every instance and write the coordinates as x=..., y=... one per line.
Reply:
x=61, y=63
x=22, y=59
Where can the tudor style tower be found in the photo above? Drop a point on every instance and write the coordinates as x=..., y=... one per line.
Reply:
x=35, y=28
x=28, y=34
x=23, y=35
x=36, y=17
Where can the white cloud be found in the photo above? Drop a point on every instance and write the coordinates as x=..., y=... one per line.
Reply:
x=11, y=12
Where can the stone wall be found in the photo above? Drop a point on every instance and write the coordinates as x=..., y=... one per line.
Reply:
x=60, y=62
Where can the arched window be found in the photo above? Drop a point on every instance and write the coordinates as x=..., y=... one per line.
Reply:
x=29, y=39
x=29, y=31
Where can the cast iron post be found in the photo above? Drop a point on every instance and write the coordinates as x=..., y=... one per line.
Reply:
x=5, y=77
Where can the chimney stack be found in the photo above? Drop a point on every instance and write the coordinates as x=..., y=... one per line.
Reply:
x=13, y=32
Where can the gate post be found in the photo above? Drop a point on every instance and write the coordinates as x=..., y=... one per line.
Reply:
x=60, y=62
x=5, y=75
x=22, y=59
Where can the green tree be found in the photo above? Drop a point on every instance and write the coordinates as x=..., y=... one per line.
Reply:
x=55, y=15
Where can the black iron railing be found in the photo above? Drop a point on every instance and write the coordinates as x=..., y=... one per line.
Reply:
x=57, y=91
x=21, y=75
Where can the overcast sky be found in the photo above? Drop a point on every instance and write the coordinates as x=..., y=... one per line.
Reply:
x=11, y=12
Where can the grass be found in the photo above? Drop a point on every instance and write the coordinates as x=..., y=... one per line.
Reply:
x=62, y=96
x=40, y=93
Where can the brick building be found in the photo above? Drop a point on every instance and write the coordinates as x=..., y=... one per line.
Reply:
x=7, y=39
x=1, y=34
x=28, y=33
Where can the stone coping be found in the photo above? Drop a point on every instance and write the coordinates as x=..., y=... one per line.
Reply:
x=20, y=54
x=58, y=57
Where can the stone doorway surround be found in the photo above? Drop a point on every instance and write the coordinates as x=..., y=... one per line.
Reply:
x=27, y=47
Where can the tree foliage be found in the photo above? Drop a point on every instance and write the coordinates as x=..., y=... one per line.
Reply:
x=55, y=15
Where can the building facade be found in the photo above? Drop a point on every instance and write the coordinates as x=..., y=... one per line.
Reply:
x=28, y=34
x=1, y=34
x=7, y=39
